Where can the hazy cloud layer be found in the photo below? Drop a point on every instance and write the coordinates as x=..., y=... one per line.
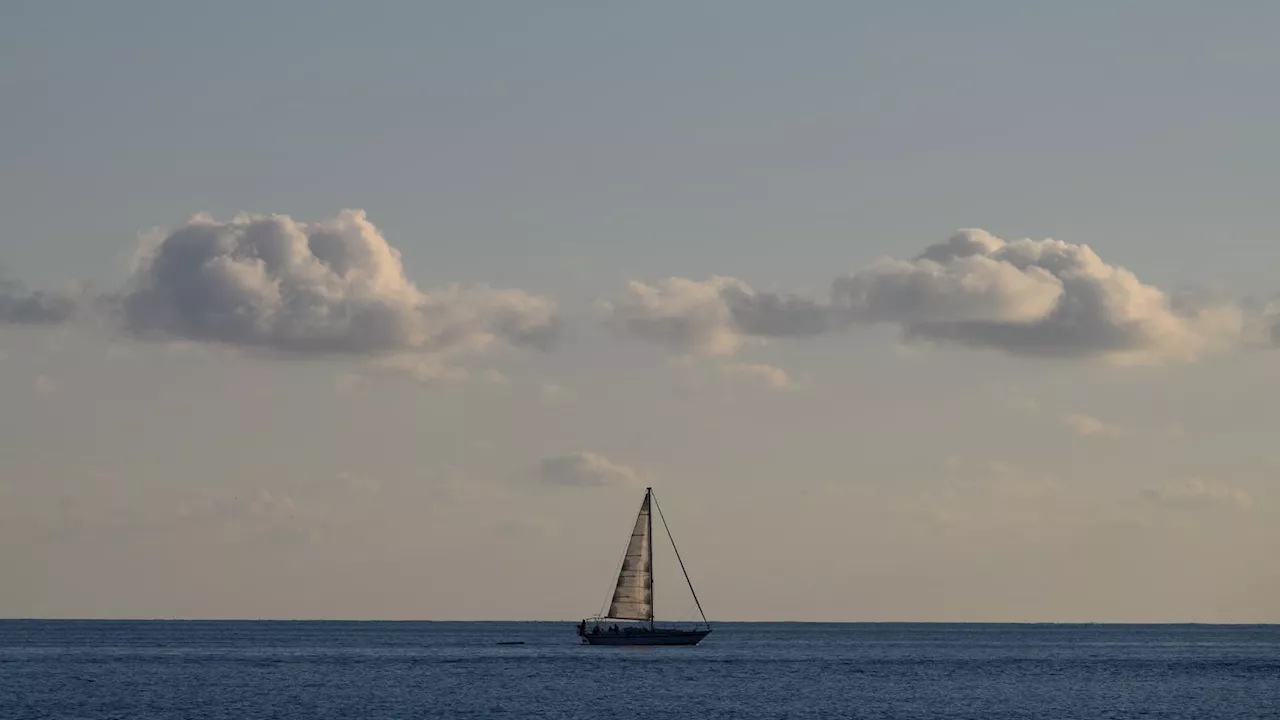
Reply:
x=1196, y=493
x=1029, y=297
x=335, y=286
x=552, y=393
x=583, y=469
x=44, y=384
x=38, y=307
x=1089, y=426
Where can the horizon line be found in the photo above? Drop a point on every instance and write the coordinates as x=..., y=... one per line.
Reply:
x=714, y=622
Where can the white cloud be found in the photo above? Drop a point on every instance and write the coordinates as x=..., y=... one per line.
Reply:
x=955, y=290
x=271, y=283
x=583, y=469
x=686, y=315
x=758, y=374
x=45, y=385
x=334, y=287
x=1088, y=426
x=711, y=317
x=1034, y=297
x=1044, y=298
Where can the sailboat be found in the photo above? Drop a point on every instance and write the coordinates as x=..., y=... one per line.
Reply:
x=633, y=594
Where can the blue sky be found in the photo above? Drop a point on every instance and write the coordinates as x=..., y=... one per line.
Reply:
x=505, y=138
x=566, y=149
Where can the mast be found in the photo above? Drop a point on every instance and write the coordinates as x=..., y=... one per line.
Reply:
x=648, y=492
x=673, y=547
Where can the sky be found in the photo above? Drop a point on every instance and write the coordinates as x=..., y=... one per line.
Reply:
x=908, y=312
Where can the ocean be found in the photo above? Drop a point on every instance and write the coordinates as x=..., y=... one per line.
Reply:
x=233, y=670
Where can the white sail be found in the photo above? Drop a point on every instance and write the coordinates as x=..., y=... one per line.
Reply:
x=633, y=596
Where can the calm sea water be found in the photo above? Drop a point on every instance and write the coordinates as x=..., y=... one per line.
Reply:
x=314, y=670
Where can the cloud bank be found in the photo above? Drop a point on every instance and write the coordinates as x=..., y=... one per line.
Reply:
x=337, y=287
x=1040, y=298
x=332, y=287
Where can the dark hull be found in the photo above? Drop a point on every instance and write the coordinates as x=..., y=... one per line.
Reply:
x=656, y=637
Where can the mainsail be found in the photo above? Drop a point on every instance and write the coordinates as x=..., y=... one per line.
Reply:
x=633, y=596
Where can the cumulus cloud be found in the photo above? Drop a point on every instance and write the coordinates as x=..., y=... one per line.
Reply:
x=1034, y=297
x=1044, y=298
x=335, y=286
x=39, y=307
x=683, y=314
x=1196, y=493
x=760, y=374
x=1088, y=426
x=714, y=316
x=583, y=469
x=338, y=287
